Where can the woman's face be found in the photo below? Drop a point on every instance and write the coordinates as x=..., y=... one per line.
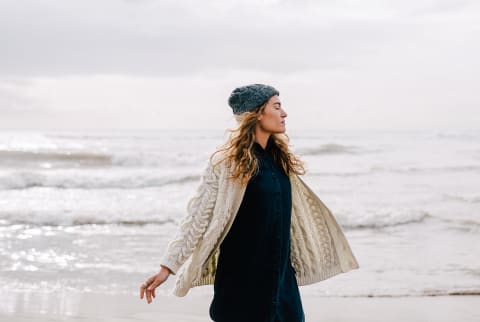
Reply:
x=272, y=119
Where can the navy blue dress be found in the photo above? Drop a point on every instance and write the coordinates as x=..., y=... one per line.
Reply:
x=255, y=280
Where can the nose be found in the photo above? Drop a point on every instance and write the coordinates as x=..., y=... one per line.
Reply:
x=284, y=114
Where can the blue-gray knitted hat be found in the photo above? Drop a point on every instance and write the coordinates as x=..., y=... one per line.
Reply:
x=247, y=98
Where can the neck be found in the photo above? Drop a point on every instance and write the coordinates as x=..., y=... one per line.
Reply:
x=261, y=137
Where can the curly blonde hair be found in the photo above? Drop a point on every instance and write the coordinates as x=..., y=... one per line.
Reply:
x=238, y=149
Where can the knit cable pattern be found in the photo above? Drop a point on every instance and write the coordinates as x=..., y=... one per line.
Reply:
x=313, y=251
x=193, y=225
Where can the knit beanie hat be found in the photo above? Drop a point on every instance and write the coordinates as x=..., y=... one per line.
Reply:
x=247, y=98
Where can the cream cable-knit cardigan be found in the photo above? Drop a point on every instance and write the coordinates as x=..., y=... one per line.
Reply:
x=319, y=249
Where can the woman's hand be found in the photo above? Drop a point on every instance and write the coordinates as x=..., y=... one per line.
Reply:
x=148, y=288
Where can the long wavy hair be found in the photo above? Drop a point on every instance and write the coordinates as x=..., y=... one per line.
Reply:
x=239, y=153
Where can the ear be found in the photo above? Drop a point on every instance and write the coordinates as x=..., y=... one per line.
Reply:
x=259, y=117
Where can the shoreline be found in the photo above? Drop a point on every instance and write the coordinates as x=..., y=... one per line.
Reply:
x=65, y=306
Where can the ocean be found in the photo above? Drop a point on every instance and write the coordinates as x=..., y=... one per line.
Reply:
x=92, y=211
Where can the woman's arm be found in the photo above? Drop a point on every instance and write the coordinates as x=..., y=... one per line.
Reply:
x=194, y=224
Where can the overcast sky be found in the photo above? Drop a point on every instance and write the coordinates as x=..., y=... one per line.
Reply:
x=156, y=64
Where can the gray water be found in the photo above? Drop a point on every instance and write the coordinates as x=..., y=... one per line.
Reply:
x=93, y=211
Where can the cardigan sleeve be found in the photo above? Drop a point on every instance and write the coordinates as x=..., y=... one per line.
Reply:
x=193, y=225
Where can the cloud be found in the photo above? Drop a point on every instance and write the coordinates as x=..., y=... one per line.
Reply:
x=180, y=38
x=117, y=63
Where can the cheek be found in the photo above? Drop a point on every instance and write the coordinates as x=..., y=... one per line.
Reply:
x=268, y=121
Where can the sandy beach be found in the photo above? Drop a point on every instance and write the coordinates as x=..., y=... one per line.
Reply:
x=116, y=308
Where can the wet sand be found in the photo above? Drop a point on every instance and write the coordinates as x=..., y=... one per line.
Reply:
x=16, y=307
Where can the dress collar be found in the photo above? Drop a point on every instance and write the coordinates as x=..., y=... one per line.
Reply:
x=270, y=143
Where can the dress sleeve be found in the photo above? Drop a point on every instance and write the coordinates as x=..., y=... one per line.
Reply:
x=193, y=225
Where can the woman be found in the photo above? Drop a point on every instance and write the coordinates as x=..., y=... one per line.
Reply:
x=254, y=229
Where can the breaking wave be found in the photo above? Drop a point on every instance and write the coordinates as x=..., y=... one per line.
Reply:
x=66, y=180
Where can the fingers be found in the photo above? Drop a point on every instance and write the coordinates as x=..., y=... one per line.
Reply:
x=149, y=296
x=151, y=289
x=143, y=287
x=148, y=288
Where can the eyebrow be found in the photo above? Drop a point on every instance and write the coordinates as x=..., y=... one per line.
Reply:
x=277, y=103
